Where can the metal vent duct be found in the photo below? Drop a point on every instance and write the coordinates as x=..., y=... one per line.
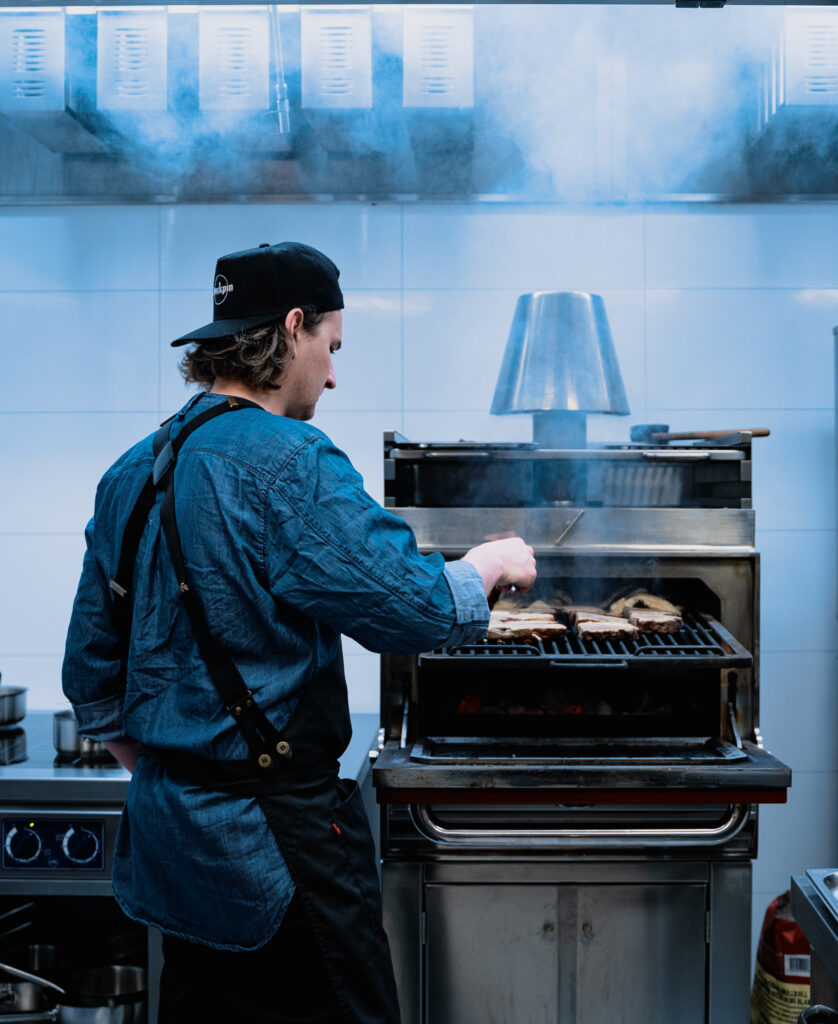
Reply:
x=438, y=57
x=32, y=61
x=234, y=59
x=336, y=57
x=131, y=60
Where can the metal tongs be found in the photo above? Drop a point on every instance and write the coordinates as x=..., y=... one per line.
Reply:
x=16, y=972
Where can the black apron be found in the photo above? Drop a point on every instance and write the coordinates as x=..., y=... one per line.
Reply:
x=317, y=819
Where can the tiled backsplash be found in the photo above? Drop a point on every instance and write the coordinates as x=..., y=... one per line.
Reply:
x=721, y=316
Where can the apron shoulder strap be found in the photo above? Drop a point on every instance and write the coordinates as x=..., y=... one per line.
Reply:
x=121, y=582
x=263, y=740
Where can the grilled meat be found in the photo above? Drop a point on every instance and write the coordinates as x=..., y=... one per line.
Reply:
x=643, y=599
x=524, y=625
x=593, y=623
x=649, y=621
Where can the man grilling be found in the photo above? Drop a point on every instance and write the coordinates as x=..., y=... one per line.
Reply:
x=226, y=555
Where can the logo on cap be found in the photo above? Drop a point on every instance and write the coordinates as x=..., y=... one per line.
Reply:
x=221, y=290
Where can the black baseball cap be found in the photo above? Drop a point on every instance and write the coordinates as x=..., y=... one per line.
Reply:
x=254, y=287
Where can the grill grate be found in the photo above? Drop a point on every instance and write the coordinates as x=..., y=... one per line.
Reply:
x=702, y=641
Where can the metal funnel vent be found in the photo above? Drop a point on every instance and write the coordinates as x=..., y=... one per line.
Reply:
x=560, y=365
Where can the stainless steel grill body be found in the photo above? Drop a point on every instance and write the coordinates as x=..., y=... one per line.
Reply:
x=608, y=797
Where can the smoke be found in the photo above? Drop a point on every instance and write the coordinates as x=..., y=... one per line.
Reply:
x=572, y=103
x=621, y=102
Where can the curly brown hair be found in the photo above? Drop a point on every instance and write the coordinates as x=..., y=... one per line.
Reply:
x=256, y=357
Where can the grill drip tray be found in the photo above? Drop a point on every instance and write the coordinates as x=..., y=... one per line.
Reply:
x=653, y=750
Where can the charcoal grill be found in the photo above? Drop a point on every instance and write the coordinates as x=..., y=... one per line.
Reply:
x=546, y=802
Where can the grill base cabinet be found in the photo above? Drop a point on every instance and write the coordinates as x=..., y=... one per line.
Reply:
x=568, y=826
x=570, y=943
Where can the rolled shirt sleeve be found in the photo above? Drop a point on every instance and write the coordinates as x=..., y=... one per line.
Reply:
x=470, y=603
x=90, y=675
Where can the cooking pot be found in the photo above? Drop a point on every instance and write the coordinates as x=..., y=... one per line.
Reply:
x=24, y=997
x=70, y=745
x=12, y=704
x=28, y=993
x=115, y=994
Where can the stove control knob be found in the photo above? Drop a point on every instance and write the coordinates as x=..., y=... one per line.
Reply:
x=80, y=845
x=23, y=845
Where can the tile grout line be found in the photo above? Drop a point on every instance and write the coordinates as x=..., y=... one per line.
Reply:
x=402, y=308
x=159, y=311
x=643, y=241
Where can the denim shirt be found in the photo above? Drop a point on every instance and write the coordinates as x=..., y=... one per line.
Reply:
x=287, y=552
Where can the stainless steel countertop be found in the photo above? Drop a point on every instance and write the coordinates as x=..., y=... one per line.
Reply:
x=39, y=780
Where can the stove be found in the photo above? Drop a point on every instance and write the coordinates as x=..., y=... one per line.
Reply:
x=555, y=809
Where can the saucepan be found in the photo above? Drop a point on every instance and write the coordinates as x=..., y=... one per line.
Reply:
x=12, y=704
x=114, y=994
x=28, y=993
x=70, y=745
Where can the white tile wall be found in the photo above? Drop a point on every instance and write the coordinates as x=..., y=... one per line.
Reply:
x=56, y=459
x=73, y=351
x=721, y=317
x=531, y=248
x=740, y=349
x=79, y=248
x=798, y=834
x=363, y=240
x=742, y=247
x=799, y=708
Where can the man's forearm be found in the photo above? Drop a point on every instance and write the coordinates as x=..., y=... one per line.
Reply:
x=125, y=751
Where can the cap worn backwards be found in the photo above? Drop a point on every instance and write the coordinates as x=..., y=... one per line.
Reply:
x=253, y=287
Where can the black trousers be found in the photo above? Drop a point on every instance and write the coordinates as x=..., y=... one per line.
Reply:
x=283, y=982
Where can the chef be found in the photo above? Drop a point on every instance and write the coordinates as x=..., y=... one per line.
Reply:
x=227, y=554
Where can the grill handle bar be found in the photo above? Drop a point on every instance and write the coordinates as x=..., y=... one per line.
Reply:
x=677, y=455
x=568, y=838
x=588, y=664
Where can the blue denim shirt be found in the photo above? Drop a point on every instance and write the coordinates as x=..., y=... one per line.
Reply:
x=287, y=552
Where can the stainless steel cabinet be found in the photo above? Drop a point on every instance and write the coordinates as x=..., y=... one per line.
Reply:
x=506, y=954
x=568, y=944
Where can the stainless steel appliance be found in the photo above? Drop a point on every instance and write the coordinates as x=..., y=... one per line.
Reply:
x=568, y=827
x=58, y=918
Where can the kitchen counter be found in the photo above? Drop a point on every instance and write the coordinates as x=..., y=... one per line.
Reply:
x=39, y=779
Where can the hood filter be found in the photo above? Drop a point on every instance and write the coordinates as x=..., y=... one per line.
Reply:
x=32, y=65
x=811, y=58
x=336, y=58
x=131, y=60
x=234, y=60
x=438, y=57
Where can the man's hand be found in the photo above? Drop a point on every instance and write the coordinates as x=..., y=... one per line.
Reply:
x=504, y=563
x=127, y=752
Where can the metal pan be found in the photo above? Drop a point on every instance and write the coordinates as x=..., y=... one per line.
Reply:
x=70, y=745
x=12, y=704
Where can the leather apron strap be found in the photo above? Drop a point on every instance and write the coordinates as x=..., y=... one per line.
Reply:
x=266, y=746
